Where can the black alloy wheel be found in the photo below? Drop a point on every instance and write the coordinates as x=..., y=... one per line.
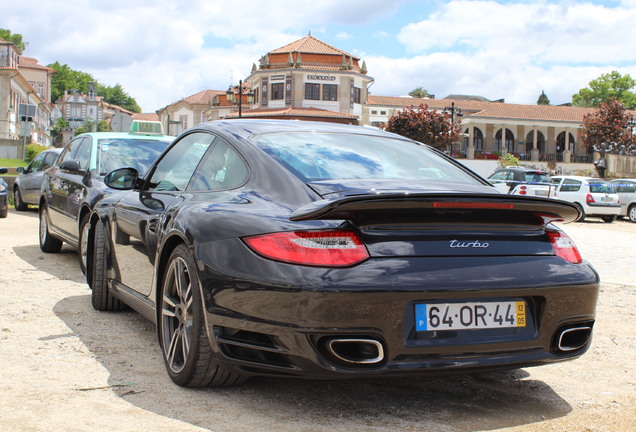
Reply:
x=182, y=331
x=48, y=243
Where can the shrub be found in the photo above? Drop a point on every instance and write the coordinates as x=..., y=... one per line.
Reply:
x=508, y=160
x=32, y=150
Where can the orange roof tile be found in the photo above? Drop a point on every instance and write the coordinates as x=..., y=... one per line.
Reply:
x=479, y=109
x=203, y=97
x=310, y=44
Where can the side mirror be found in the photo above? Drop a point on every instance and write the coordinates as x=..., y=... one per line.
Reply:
x=70, y=165
x=3, y=170
x=20, y=169
x=122, y=179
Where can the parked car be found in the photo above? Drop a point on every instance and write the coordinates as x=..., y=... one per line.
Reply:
x=28, y=184
x=522, y=181
x=626, y=189
x=318, y=250
x=74, y=183
x=594, y=197
x=4, y=194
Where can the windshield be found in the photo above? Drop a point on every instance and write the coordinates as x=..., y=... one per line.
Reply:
x=117, y=153
x=332, y=156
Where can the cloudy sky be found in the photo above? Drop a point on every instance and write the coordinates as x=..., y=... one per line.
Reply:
x=163, y=50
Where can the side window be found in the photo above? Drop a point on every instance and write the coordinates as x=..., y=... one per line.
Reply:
x=83, y=154
x=501, y=175
x=570, y=185
x=70, y=150
x=174, y=170
x=49, y=160
x=36, y=164
x=222, y=168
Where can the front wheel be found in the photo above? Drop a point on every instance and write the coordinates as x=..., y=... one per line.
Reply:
x=48, y=243
x=631, y=213
x=609, y=219
x=580, y=207
x=17, y=199
x=101, y=298
x=182, y=331
x=84, y=230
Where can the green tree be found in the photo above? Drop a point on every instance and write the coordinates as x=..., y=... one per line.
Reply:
x=606, y=88
x=117, y=96
x=103, y=126
x=67, y=79
x=608, y=124
x=543, y=99
x=420, y=92
x=428, y=127
x=15, y=39
x=56, y=131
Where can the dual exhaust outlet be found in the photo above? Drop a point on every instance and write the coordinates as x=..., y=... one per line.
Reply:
x=367, y=352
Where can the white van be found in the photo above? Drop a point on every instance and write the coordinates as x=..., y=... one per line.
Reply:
x=595, y=197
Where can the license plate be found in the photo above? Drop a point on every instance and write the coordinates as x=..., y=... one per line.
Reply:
x=470, y=316
x=541, y=192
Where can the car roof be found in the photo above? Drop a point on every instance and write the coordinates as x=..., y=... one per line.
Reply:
x=247, y=128
x=138, y=136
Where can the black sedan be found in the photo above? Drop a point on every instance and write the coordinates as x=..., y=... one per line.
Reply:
x=72, y=186
x=319, y=250
x=28, y=185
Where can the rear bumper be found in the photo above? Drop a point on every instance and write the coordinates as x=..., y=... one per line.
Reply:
x=602, y=209
x=284, y=329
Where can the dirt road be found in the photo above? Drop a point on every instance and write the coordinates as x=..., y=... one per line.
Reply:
x=66, y=367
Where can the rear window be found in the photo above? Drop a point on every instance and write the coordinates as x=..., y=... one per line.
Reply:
x=599, y=186
x=330, y=156
x=537, y=177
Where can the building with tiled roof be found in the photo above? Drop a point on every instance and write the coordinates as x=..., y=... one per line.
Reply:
x=308, y=74
x=192, y=110
x=20, y=89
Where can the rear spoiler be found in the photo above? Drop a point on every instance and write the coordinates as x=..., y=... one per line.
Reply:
x=505, y=208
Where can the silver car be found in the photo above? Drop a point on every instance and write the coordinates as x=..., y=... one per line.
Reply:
x=626, y=189
x=27, y=186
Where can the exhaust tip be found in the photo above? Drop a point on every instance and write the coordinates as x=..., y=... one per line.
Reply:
x=354, y=351
x=573, y=338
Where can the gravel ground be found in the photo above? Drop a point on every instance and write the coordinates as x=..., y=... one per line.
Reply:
x=70, y=368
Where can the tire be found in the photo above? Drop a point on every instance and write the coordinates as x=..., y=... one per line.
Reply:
x=17, y=199
x=181, y=328
x=580, y=207
x=48, y=244
x=609, y=219
x=101, y=298
x=82, y=248
x=631, y=213
x=4, y=213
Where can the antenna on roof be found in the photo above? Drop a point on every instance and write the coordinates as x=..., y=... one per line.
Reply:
x=309, y=32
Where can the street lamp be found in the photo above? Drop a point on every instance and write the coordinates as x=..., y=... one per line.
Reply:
x=453, y=112
x=230, y=96
x=631, y=123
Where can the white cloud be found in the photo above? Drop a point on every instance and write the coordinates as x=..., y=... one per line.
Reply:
x=161, y=51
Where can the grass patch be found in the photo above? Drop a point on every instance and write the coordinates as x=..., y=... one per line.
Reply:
x=12, y=163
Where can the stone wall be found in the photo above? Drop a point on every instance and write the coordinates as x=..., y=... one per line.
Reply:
x=11, y=149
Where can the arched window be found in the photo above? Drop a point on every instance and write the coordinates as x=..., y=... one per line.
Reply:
x=478, y=140
x=561, y=143
x=509, y=140
x=540, y=142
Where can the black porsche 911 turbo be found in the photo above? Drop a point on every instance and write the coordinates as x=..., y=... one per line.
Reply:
x=318, y=250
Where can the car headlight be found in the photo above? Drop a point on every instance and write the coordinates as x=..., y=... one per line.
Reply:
x=2, y=188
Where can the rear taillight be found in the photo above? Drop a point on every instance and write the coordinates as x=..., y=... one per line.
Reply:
x=522, y=190
x=564, y=247
x=333, y=248
x=589, y=198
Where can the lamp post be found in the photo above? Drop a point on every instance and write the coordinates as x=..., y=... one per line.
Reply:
x=454, y=112
x=230, y=96
x=631, y=123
